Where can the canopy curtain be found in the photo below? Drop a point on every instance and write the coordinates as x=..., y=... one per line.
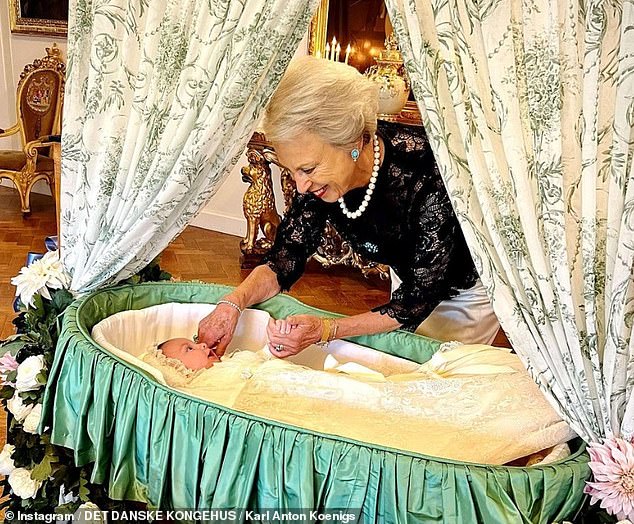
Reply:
x=529, y=107
x=160, y=102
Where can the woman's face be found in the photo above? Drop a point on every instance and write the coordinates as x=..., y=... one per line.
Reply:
x=192, y=355
x=319, y=168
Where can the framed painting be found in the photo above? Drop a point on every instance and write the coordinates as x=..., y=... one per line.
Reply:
x=43, y=17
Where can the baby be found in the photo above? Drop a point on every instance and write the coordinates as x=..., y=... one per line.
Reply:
x=192, y=355
x=196, y=356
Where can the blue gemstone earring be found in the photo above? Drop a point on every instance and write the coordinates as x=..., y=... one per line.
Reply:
x=355, y=154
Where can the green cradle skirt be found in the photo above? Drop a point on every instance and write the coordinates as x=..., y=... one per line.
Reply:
x=153, y=444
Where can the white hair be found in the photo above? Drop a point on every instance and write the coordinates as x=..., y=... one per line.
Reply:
x=327, y=98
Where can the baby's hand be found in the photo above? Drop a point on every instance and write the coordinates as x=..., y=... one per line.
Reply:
x=293, y=334
x=281, y=326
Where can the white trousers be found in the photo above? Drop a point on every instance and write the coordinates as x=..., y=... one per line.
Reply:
x=467, y=317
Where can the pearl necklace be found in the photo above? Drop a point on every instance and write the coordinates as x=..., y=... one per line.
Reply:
x=371, y=185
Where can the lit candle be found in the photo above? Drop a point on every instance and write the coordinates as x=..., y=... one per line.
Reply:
x=347, y=53
x=337, y=53
x=332, y=48
x=327, y=57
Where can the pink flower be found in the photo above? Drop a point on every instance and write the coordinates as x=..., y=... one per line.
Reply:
x=8, y=363
x=612, y=464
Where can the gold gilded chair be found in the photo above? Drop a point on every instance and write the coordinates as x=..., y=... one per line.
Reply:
x=39, y=110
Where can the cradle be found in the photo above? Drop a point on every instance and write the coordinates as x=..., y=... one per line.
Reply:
x=466, y=403
x=153, y=444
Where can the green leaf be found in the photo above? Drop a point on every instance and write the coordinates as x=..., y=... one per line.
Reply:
x=44, y=469
x=61, y=300
x=84, y=491
x=68, y=508
x=41, y=377
x=6, y=392
x=38, y=304
x=12, y=346
x=31, y=395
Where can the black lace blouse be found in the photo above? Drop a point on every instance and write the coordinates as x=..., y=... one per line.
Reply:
x=409, y=224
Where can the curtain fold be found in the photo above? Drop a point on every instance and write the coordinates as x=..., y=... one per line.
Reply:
x=529, y=107
x=161, y=100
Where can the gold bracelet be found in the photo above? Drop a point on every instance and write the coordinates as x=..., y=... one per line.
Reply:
x=335, y=327
x=326, y=328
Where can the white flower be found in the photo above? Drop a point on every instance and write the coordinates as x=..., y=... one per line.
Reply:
x=22, y=484
x=6, y=462
x=42, y=275
x=18, y=408
x=26, y=379
x=89, y=513
x=32, y=420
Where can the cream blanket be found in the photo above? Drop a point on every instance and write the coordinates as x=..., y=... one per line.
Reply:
x=470, y=403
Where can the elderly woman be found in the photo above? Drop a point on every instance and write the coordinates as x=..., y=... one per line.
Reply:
x=380, y=188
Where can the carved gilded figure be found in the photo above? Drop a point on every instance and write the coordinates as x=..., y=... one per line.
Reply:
x=259, y=205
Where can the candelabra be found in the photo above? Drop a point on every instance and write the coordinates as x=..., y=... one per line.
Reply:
x=333, y=51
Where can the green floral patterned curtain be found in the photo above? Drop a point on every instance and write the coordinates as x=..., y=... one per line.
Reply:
x=529, y=107
x=161, y=98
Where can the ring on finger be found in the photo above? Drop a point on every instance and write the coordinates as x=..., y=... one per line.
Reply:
x=279, y=347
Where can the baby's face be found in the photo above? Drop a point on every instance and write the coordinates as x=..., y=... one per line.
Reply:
x=192, y=355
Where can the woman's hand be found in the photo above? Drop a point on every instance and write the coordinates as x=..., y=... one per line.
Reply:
x=291, y=335
x=217, y=329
